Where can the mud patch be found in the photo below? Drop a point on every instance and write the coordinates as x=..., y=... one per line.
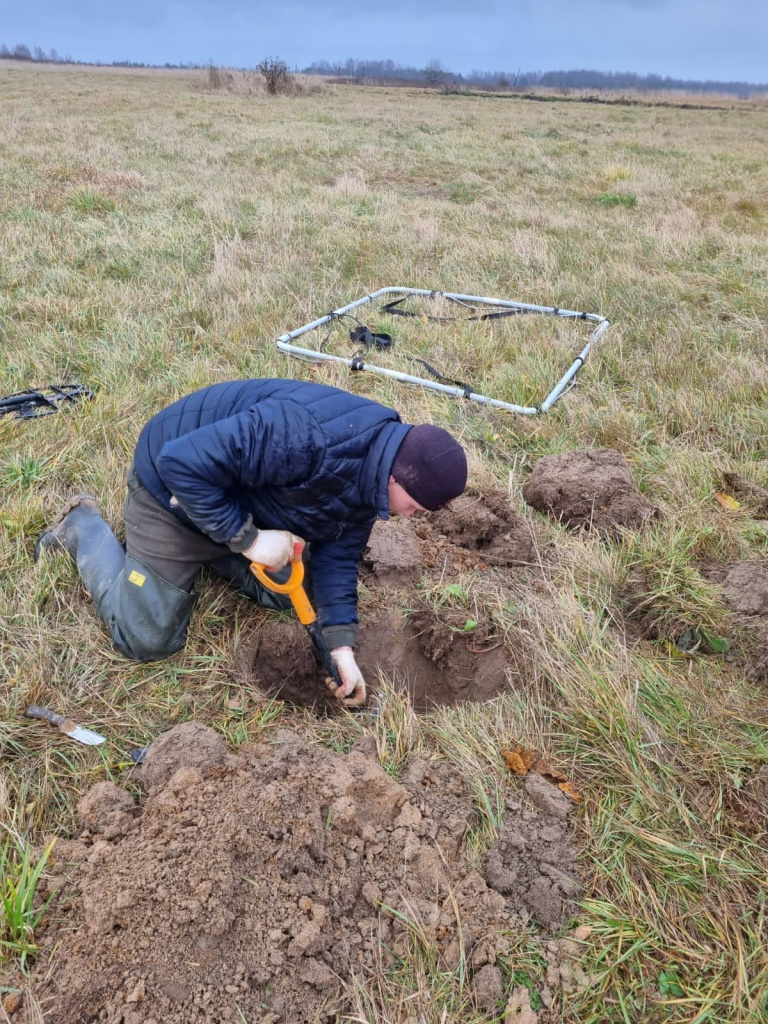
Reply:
x=592, y=489
x=251, y=890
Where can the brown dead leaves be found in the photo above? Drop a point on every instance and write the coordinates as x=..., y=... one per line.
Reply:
x=521, y=761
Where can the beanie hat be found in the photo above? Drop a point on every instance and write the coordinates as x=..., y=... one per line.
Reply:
x=431, y=466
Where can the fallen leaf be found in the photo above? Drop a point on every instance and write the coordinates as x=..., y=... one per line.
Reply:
x=519, y=760
x=570, y=790
x=582, y=932
x=12, y=1002
x=727, y=501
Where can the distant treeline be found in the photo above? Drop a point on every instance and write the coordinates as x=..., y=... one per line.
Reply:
x=23, y=52
x=36, y=53
x=435, y=74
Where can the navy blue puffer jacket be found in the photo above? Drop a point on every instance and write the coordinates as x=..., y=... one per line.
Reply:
x=278, y=455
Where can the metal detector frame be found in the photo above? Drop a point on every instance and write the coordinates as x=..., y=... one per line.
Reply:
x=566, y=382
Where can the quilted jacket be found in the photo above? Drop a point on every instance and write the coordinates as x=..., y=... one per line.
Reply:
x=279, y=455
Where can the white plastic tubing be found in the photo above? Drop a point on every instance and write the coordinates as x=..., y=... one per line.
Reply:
x=284, y=343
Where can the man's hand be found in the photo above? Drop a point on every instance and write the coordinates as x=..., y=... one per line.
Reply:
x=275, y=549
x=352, y=689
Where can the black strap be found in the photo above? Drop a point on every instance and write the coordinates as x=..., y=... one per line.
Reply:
x=394, y=308
x=370, y=339
x=466, y=388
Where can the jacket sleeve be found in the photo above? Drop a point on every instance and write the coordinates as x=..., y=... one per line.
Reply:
x=335, y=566
x=276, y=442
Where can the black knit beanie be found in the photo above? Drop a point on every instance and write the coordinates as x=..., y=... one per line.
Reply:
x=431, y=466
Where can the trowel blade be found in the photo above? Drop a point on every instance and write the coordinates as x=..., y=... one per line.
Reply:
x=82, y=735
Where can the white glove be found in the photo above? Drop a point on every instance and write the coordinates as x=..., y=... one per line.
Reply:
x=275, y=549
x=352, y=689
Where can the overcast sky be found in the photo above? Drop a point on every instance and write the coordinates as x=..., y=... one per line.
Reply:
x=703, y=39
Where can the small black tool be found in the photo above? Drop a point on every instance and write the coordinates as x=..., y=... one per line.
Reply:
x=33, y=402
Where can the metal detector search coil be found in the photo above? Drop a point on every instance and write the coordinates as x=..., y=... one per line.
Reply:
x=496, y=308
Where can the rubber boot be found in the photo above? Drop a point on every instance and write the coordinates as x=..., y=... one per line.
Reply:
x=146, y=616
x=62, y=535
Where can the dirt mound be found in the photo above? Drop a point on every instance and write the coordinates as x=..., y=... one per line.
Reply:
x=437, y=662
x=593, y=489
x=746, y=589
x=251, y=890
x=479, y=529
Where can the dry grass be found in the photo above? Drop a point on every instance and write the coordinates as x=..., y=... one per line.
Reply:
x=156, y=238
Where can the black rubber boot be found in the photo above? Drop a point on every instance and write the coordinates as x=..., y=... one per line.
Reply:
x=62, y=535
x=146, y=616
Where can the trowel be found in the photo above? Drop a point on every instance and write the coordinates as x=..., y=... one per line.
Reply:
x=65, y=725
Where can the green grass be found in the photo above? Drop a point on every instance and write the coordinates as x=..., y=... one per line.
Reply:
x=617, y=199
x=157, y=238
x=20, y=909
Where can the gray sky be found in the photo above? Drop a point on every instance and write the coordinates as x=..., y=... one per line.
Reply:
x=715, y=39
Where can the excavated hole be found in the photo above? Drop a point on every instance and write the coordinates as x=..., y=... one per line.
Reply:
x=436, y=664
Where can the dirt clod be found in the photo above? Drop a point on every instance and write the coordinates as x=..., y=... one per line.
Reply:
x=480, y=529
x=106, y=808
x=188, y=745
x=746, y=589
x=12, y=1002
x=518, y=1009
x=393, y=553
x=488, y=986
x=533, y=864
x=256, y=889
x=548, y=798
x=593, y=489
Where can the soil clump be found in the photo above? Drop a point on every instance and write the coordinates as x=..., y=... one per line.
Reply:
x=393, y=553
x=592, y=489
x=254, y=888
x=746, y=589
x=478, y=530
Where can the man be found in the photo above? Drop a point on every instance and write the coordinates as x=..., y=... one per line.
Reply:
x=252, y=471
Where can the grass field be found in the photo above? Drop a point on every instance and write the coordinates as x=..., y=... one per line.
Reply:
x=155, y=237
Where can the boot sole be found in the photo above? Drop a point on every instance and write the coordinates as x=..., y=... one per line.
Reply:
x=48, y=541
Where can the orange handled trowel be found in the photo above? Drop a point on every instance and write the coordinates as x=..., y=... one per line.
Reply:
x=294, y=588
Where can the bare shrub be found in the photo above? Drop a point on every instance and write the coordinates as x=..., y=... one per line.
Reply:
x=258, y=82
x=275, y=74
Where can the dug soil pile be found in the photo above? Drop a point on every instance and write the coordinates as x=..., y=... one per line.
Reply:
x=592, y=489
x=253, y=887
